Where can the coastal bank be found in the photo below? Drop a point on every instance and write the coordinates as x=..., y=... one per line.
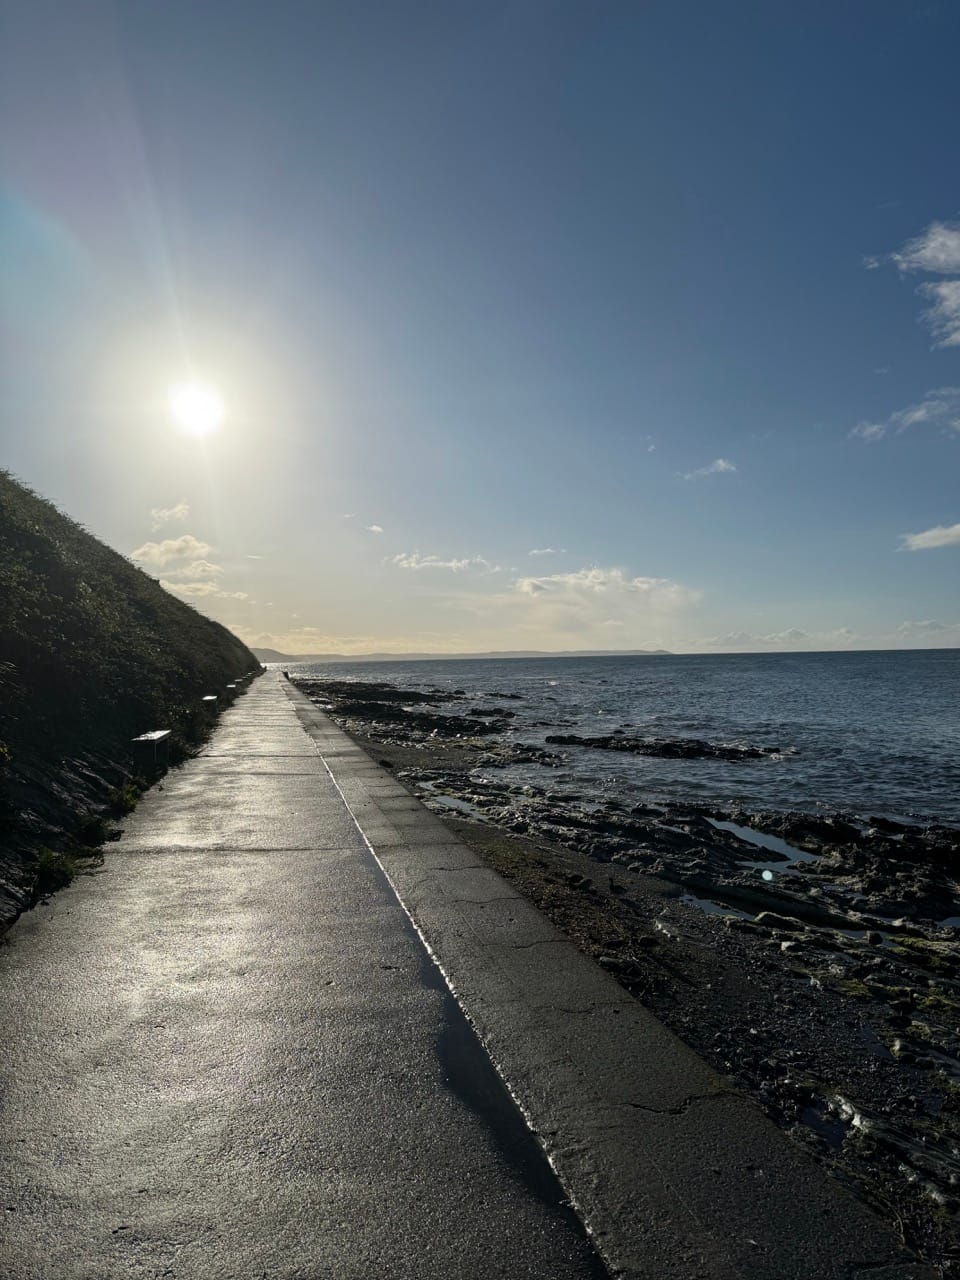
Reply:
x=93, y=654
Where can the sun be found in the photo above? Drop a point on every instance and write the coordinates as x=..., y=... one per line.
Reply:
x=197, y=408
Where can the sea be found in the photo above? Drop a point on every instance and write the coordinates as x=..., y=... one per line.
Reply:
x=871, y=734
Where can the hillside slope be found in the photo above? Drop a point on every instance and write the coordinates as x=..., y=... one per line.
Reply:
x=92, y=653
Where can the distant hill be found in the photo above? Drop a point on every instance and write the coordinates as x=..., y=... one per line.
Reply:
x=272, y=655
x=92, y=653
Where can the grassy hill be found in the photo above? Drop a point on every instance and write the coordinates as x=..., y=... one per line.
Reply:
x=92, y=653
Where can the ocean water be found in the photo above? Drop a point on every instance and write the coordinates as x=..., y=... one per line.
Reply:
x=866, y=733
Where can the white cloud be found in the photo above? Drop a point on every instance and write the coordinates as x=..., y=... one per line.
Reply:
x=162, y=515
x=547, y=551
x=870, y=431
x=311, y=639
x=198, y=589
x=939, y=408
x=198, y=569
x=658, y=593
x=940, y=536
x=373, y=528
x=580, y=609
x=944, y=316
x=739, y=639
x=414, y=560
x=792, y=638
x=190, y=588
x=718, y=467
x=936, y=250
x=922, y=627
x=186, y=547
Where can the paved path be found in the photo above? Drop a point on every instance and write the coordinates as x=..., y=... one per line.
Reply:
x=230, y=1055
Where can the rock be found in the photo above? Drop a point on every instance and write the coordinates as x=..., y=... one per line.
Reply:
x=665, y=748
x=770, y=920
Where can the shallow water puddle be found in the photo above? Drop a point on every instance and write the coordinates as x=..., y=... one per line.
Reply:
x=763, y=841
x=711, y=908
x=826, y=1126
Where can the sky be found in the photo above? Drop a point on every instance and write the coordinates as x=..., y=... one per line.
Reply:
x=534, y=325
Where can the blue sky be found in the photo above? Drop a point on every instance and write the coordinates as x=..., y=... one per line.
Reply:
x=669, y=293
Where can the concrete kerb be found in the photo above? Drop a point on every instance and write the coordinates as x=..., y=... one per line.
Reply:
x=674, y=1173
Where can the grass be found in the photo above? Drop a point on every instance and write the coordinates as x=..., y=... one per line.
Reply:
x=123, y=799
x=54, y=869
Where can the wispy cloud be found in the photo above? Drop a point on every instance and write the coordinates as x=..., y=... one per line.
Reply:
x=186, y=547
x=164, y=515
x=922, y=627
x=935, y=251
x=939, y=408
x=190, y=588
x=547, y=551
x=739, y=639
x=199, y=569
x=658, y=592
x=941, y=535
x=373, y=528
x=789, y=638
x=199, y=589
x=718, y=466
x=414, y=560
x=943, y=316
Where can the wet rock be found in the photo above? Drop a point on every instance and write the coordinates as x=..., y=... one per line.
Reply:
x=363, y=691
x=665, y=748
x=771, y=920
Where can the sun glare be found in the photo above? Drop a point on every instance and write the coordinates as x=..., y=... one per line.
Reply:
x=197, y=409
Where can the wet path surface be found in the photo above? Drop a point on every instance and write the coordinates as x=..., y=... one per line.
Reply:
x=228, y=1054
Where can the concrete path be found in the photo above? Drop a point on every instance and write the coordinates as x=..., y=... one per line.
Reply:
x=229, y=1054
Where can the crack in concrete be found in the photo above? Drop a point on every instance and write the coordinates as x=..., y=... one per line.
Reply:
x=889, y=1269
x=685, y=1103
x=483, y=902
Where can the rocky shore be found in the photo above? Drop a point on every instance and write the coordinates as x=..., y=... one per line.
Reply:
x=813, y=959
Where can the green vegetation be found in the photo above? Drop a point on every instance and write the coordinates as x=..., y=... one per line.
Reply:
x=55, y=871
x=124, y=798
x=938, y=1002
x=938, y=957
x=852, y=987
x=93, y=652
